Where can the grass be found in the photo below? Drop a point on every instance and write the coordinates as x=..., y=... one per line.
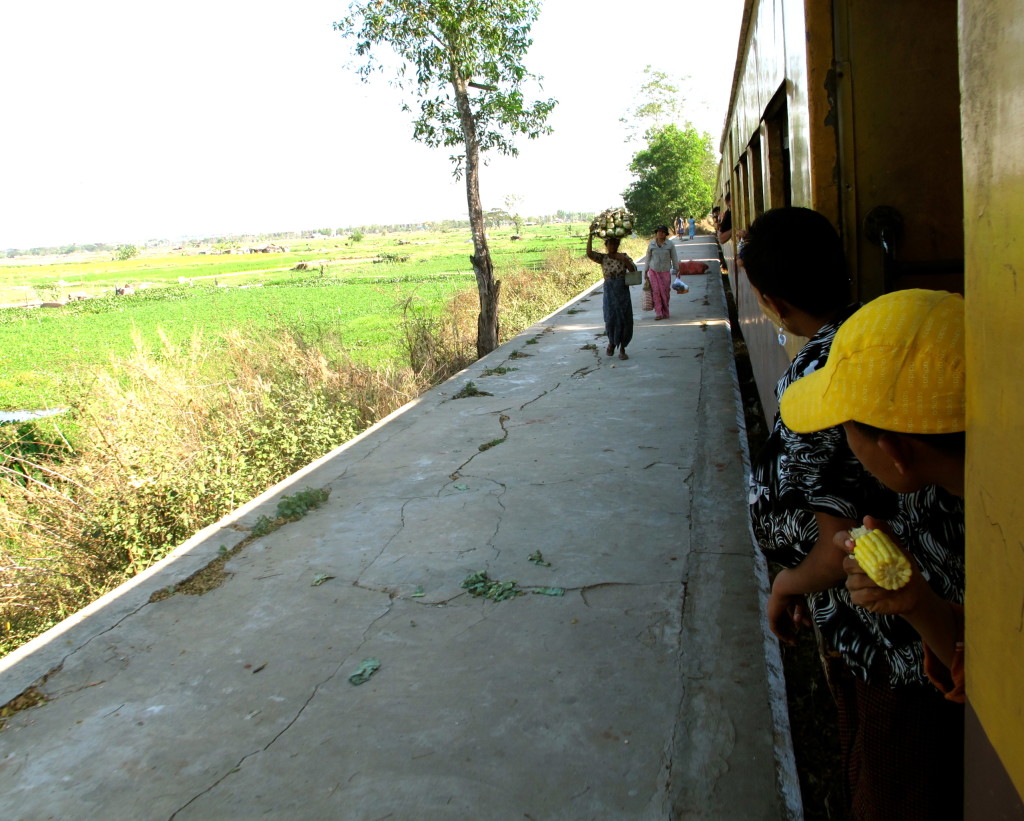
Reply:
x=217, y=395
x=51, y=353
x=25, y=280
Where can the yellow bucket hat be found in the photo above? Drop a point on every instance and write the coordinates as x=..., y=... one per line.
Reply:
x=896, y=364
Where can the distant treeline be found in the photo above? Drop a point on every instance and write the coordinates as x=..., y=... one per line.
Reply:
x=313, y=233
x=42, y=251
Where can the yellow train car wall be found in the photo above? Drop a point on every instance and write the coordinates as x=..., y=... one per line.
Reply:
x=991, y=67
x=766, y=157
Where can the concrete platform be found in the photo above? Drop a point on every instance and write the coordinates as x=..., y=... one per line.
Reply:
x=647, y=690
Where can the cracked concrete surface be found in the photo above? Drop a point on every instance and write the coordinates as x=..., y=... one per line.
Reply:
x=646, y=691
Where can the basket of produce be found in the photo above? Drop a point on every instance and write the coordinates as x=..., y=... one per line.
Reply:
x=613, y=222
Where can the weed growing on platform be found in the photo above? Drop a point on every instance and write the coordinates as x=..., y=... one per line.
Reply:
x=470, y=389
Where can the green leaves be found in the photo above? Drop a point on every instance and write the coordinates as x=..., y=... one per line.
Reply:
x=366, y=668
x=483, y=586
x=462, y=62
x=659, y=102
x=297, y=505
x=675, y=177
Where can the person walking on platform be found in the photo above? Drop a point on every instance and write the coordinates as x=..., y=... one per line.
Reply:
x=618, y=305
x=693, y=227
x=662, y=261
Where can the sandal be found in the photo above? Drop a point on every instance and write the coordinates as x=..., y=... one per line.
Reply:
x=622, y=355
x=610, y=350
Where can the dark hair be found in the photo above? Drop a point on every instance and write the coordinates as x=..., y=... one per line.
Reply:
x=661, y=228
x=795, y=254
x=951, y=444
x=612, y=242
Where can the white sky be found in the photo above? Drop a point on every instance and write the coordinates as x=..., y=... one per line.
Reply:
x=128, y=120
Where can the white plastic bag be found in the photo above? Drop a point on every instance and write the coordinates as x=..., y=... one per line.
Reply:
x=679, y=286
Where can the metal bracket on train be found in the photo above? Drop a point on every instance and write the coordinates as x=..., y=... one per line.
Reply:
x=883, y=225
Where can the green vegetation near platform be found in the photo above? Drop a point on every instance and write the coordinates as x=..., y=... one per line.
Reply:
x=186, y=401
x=51, y=352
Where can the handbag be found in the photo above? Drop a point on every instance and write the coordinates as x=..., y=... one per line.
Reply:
x=647, y=302
x=633, y=277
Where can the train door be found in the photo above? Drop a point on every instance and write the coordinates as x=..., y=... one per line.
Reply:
x=897, y=96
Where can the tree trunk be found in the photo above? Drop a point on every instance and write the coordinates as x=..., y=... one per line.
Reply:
x=487, y=286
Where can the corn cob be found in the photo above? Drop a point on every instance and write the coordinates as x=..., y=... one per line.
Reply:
x=884, y=563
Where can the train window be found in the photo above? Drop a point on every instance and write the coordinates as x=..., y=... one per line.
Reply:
x=757, y=204
x=776, y=151
x=741, y=210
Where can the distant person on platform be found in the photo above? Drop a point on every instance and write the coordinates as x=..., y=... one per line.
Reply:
x=725, y=222
x=618, y=305
x=678, y=223
x=662, y=262
x=724, y=232
x=693, y=227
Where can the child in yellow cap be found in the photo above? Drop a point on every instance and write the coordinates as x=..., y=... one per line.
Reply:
x=895, y=382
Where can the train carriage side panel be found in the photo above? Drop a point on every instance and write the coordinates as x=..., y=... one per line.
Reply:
x=991, y=67
x=774, y=119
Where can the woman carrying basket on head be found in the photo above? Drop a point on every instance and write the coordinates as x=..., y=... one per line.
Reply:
x=618, y=305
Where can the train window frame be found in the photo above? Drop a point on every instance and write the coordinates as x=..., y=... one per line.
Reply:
x=756, y=166
x=741, y=210
x=775, y=148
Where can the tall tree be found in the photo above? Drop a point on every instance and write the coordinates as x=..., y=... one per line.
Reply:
x=512, y=202
x=675, y=177
x=658, y=103
x=462, y=61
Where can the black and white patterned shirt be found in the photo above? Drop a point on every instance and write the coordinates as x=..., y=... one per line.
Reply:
x=797, y=475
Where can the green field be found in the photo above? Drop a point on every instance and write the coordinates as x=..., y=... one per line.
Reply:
x=28, y=280
x=49, y=352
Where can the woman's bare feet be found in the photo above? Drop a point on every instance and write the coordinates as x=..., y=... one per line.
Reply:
x=610, y=350
x=622, y=354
